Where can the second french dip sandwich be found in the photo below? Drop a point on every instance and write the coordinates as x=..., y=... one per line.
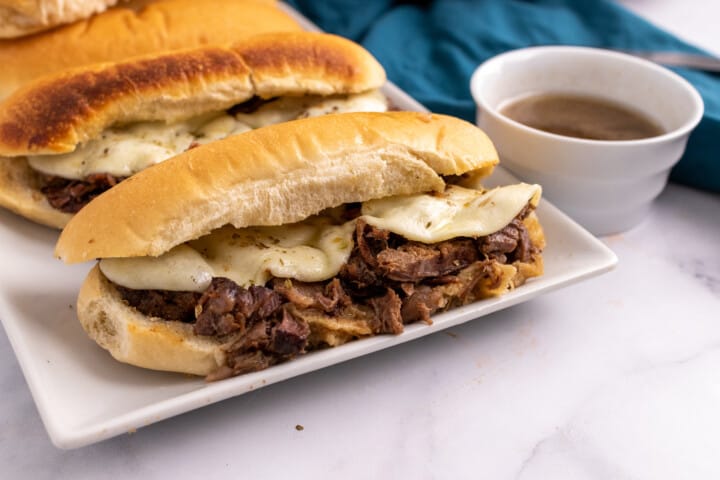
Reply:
x=69, y=137
x=246, y=252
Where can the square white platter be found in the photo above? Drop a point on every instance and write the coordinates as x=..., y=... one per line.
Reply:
x=84, y=396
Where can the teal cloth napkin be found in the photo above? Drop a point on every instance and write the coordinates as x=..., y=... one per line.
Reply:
x=431, y=48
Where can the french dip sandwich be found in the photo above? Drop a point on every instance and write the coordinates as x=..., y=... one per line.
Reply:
x=69, y=137
x=131, y=30
x=298, y=236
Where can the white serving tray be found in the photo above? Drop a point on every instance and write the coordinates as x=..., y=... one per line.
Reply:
x=85, y=396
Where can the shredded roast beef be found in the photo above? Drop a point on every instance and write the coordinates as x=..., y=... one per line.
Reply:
x=250, y=106
x=421, y=303
x=71, y=195
x=226, y=307
x=178, y=306
x=509, y=244
x=267, y=341
x=393, y=280
x=326, y=297
x=387, y=312
x=414, y=261
x=289, y=337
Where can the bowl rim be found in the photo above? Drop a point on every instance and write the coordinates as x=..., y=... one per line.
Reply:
x=684, y=129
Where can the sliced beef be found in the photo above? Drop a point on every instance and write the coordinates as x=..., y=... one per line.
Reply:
x=335, y=296
x=71, y=195
x=165, y=304
x=455, y=290
x=326, y=297
x=248, y=353
x=525, y=248
x=360, y=274
x=463, y=289
x=510, y=244
x=387, y=313
x=421, y=303
x=290, y=336
x=369, y=241
x=240, y=362
x=351, y=211
x=498, y=244
x=225, y=307
x=360, y=278
x=250, y=106
x=414, y=261
x=266, y=343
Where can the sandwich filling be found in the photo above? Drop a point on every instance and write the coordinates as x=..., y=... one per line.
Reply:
x=271, y=293
x=71, y=180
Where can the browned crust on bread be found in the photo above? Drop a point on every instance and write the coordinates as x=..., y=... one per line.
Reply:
x=49, y=115
x=327, y=66
x=273, y=176
x=56, y=113
x=123, y=32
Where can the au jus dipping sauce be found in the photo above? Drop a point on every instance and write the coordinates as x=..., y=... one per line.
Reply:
x=581, y=116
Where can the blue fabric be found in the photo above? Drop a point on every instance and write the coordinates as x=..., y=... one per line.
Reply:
x=431, y=48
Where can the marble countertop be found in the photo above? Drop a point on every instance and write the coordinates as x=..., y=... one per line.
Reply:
x=614, y=377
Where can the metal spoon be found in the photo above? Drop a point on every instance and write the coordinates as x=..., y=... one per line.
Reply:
x=679, y=59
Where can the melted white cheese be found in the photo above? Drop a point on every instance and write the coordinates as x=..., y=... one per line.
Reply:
x=457, y=212
x=119, y=152
x=316, y=249
x=285, y=109
x=125, y=151
x=220, y=127
x=309, y=251
x=365, y=102
x=180, y=269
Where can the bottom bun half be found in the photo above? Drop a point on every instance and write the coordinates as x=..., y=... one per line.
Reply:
x=139, y=340
x=19, y=193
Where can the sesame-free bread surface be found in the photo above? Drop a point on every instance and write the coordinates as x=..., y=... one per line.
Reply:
x=56, y=113
x=124, y=32
x=23, y=17
x=272, y=176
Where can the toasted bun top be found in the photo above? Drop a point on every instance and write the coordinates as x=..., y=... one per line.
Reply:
x=22, y=17
x=272, y=176
x=56, y=113
x=124, y=32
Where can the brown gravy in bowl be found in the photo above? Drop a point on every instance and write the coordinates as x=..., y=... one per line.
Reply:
x=581, y=116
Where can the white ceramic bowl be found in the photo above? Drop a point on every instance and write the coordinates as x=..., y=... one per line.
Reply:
x=607, y=186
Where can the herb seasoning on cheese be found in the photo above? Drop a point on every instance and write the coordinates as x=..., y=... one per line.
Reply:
x=316, y=249
x=124, y=151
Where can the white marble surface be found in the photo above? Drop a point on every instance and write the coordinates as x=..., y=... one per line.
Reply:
x=694, y=21
x=616, y=377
